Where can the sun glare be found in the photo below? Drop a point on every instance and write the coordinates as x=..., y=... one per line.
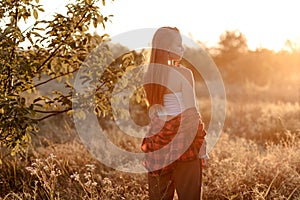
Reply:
x=265, y=24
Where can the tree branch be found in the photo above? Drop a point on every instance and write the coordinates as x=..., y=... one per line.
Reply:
x=51, y=79
x=48, y=111
x=53, y=113
x=99, y=87
x=12, y=56
x=57, y=48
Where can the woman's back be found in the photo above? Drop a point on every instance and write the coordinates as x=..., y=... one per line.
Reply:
x=180, y=83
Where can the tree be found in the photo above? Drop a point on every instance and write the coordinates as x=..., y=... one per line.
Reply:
x=232, y=44
x=57, y=50
x=292, y=46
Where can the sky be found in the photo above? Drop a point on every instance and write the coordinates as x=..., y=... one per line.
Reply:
x=265, y=23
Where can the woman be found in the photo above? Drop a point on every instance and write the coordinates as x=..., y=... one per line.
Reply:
x=176, y=135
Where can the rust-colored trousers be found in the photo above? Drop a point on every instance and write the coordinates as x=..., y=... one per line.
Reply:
x=186, y=178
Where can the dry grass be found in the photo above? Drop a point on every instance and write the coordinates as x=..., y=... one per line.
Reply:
x=257, y=157
x=66, y=171
x=242, y=169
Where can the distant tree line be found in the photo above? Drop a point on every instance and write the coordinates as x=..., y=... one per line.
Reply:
x=262, y=66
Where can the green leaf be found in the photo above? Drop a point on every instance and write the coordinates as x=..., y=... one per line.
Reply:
x=35, y=14
x=95, y=23
x=70, y=112
x=38, y=99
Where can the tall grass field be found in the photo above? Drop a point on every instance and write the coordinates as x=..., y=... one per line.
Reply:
x=256, y=157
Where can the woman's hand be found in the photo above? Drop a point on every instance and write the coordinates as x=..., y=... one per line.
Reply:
x=204, y=156
x=205, y=162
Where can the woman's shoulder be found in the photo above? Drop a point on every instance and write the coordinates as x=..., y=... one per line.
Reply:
x=183, y=69
x=181, y=74
x=186, y=72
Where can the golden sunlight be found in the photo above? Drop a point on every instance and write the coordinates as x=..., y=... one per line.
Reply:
x=265, y=24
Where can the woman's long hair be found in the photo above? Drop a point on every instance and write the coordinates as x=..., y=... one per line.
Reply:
x=159, y=55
